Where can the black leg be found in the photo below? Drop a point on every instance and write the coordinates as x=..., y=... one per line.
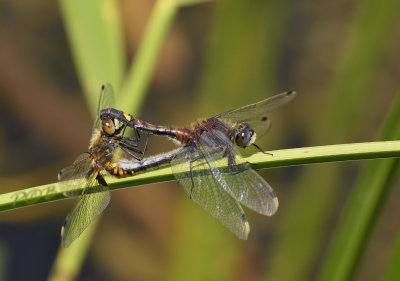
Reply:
x=232, y=164
x=133, y=141
x=100, y=179
x=259, y=148
x=128, y=142
x=191, y=179
x=129, y=151
x=145, y=145
x=137, y=134
x=127, y=145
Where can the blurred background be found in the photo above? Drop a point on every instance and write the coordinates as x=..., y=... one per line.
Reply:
x=342, y=57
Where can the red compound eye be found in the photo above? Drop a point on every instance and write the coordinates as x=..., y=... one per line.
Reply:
x=108, y=126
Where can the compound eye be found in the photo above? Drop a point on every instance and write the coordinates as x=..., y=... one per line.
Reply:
x=242, y=139
x=108, y=126
x=245, y=136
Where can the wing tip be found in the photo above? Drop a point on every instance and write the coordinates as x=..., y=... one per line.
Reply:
x=61, y=175
x=291, y=94
x=276, y=205
x=272, y=207
x=104, y=85
x=64, y=242
x=246, y=224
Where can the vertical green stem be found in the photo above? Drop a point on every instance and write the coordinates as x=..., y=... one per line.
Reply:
x=147, y=55
x=362, y=210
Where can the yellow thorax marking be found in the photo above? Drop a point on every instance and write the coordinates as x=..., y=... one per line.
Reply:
x=127, y=116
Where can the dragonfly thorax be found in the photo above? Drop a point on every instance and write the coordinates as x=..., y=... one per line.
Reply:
x=102, y=150
x=244, y=135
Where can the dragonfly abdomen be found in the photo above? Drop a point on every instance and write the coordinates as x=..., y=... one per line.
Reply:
x=125, y=168
x=183, y=135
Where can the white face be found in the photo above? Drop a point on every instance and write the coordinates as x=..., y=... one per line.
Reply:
x=253, y=139
x=117, y=124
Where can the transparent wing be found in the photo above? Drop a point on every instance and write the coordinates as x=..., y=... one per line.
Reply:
x=239, y=180
x=75, y=175
x=89, y=206
x=106, y=100
x=255, y=114
x=95, y=197
x=261, y=126
x=207, y=192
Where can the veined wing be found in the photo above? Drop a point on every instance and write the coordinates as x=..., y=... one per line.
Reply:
x=106, y=100
x=96, y=195
x=76, y=175
x=255, y=114
x=90, y=205
x=241, y=181
x=206, y=191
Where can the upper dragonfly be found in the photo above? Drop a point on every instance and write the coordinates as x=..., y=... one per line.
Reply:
x=219, y=188
x=107, y=145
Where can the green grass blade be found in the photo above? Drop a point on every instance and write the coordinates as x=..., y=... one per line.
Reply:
x=68, y=262
x=94, y=31
x=362, y=210
x=301, y=237
x=241, y=65
x=393, y=271
x=192, y=2
x=280, y=158
x=141, y=71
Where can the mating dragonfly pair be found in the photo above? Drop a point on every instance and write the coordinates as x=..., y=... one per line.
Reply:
x=207, y=164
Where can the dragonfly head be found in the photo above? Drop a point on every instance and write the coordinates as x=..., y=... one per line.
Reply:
x=244, y=135
x=111, y=127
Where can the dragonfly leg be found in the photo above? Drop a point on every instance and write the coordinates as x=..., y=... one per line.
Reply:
x=137, y=134
x=233, y=167
x=240, y=168
x=129, y=151
x=202, y=156
x=130, y=146
x=191, y=174
x=133, y=141
x=260, y=149
x=100, y=179
x=126, y=142
x=145, y=145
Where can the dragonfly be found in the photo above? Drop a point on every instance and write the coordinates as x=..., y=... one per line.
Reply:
x=107, y=145
x=208, y=164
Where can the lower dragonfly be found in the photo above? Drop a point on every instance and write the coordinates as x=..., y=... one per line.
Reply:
x=107, y=145
x=208, y=147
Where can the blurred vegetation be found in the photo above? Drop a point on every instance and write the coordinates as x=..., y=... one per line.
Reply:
x=200, y=60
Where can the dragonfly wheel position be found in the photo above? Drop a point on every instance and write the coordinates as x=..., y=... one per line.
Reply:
x=208, y=164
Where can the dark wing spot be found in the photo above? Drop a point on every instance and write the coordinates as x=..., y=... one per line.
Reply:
x=103, y=86
x=264, y=118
